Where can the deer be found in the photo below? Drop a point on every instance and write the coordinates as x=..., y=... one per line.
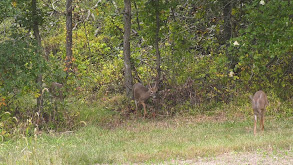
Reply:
x=142, y=94
x=259, y=103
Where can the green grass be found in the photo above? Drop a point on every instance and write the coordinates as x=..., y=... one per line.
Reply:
x=150, y=141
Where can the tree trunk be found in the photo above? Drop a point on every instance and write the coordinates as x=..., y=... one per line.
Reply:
x=68, y=36
x=227, y=33
x=137, y=20
x=39, y=51
x=126, y=48
x=227, y=8
x=158, y=56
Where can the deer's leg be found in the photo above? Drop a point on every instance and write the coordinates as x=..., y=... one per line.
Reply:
x=262, y=122
x=144, y=108
x=255, y=120
x=154, y=114
x=135, y=106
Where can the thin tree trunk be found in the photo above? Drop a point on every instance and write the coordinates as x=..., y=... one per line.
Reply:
x=227, y=8
x=68, y=36
x=137, y=20
x=140, y=37
x=174, y=75
x=227, y=33
x=158, y=56
x=39, y=51
x=126, y=48
x=87, y=38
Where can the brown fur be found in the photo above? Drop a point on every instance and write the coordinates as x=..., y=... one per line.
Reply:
x=141, y=94
x=259, y=103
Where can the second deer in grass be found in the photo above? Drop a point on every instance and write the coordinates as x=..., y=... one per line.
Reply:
x=141, y=94
x=259, y=103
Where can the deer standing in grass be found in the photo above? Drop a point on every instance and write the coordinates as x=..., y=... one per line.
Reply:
x=141, y=94
x=259, y=103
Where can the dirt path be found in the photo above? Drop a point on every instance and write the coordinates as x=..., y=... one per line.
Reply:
x=262, y=157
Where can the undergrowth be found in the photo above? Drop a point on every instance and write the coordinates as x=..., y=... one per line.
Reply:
x=107, y=130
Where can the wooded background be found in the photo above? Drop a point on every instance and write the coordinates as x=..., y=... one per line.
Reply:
x=200, y=52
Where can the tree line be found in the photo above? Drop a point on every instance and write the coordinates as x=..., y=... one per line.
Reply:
x=197, y=52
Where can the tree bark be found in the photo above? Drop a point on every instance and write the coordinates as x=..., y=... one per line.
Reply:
x=156, y=45
x=39, y=51
x=68, y=59
x=227, y=33
x=126, y=48
x=137, y=19
x=227, y=8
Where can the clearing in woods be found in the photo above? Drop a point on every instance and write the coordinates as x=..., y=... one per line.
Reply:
x=178, y=140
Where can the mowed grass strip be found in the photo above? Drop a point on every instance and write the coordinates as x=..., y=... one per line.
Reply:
x=148, y=141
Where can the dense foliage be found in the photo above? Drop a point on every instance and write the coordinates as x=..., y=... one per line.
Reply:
x=198, y=58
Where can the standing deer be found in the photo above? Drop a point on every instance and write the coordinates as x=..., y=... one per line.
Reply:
x=259, y=103
x=141, y=94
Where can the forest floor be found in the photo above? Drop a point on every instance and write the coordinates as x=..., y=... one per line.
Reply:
x=201, y=139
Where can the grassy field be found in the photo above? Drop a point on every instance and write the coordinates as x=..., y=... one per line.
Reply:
x=150, y=141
